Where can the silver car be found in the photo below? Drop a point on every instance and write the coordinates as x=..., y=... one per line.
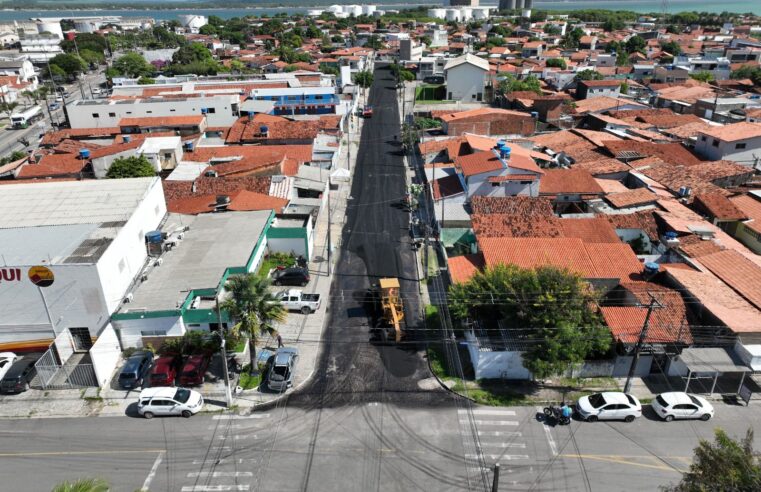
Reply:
x=280, y=376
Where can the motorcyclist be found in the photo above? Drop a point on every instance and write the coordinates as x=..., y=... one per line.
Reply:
x=566, y=411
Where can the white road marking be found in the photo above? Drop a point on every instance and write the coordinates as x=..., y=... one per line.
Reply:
x=214, y=488
x=220, y=448
x=228, y=426
x=499, y=457
x=241, y=417
x=152, y=473
x=550, y=439
x=490, y=422
x=499, y=433
x=502, y=445
x=487, y=411
x=219, y=474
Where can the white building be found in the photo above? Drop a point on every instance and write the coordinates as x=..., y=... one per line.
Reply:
x=179, y=294
x=91, y=236
x=40, y=47
x=51, y=26
x=460, y=13
x=738, y=142
x=438, y=35
x=193, y=22
x=19, y=65
x=466, y=76
x=221, y=110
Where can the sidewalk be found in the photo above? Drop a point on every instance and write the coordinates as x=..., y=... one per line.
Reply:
x=304, y=332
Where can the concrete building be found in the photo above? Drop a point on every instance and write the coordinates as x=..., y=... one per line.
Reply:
x=220, y=110
x=465, y=78
x=19, y=65
x=586, y=89
x=50, y=26
x=739, y=142
x=179, y=294
x=438, y=35
x=409, y=50
x=70, y=252
x=40, y=47
x=193, y=22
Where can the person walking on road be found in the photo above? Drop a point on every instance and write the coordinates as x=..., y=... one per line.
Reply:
x=279, y=341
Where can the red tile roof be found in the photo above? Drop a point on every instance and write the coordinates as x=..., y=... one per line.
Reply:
x=595, y=230
x=695, y=247
x=513, y=205
x=643, y=220
x=568, y=181
x=446, y=186
x=244, y=200
x=734, y=132
x=478, y=163
x=278, y=128
x=719, y=206
x=738, y=272
x=511, y=225
x=639, y=196
x=53, y=165
x=462, y=268
x=162, y=121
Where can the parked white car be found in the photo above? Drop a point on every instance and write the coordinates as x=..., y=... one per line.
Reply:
x=609, y=406
x=680, y=405
x=296, y=300
x=6, y=361
x=166, y=400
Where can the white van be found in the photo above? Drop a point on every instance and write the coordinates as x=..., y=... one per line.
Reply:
x=169, y=401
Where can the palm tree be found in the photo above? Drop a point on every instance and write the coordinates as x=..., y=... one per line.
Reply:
x=83, y=485
x=8, y=107
x=30, y=95
x=253, y=308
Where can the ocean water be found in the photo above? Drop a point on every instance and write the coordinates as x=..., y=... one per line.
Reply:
x=644, y=6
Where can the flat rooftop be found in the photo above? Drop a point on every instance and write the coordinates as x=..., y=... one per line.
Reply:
x=215, y=242
x=72, y=202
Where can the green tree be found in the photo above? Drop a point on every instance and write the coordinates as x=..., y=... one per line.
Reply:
x=92, y=57
x=8, y=107
x=131, y=167
x=624, y=88
x=557, y=62
x=635, y=43
x=549, y=310
x=253, y=308
x=131, y=65
x=512, y=84
x=613, y=24
x=146, y=81
x=702, y=76
x=193, y=52
x=589, y=75
x=71, y=64
x=406, y=76
x=671, y=47
x=363, y=79
x=83, y=485
x=55, y=73
x=327, y=69
x=748, y=72
x=572, y=38
x=725, y=464
x=374, y=42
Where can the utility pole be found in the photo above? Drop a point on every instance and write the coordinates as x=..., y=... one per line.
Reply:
x=225, y=373
x=330, y=245
x=495, y=481
x=654, y=304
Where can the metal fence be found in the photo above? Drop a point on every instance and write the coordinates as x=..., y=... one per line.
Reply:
x=73, y=374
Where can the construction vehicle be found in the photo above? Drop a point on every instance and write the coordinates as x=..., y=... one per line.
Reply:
x=391, y=309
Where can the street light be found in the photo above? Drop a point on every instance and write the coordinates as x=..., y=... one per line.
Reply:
x=225, y=373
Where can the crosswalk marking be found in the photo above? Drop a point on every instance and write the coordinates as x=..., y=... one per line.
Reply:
x=487, y=411
x=503, y=445
x=215, y=488
x=220, y=474
x=491, y=422
x=228, y=426
x=240, y=417
x=499, y=433
x=499, y=457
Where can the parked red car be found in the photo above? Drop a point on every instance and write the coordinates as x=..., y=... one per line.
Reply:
x=164, y=371
x=194, y=369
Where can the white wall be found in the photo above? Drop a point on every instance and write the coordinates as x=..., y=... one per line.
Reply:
x=81, y=116
x=491, y=365
x=464, y=82
x=129, y=330
x=64, y=345
x=288, y=245
x=125, y=257
x=105, y=354
x=728, y=150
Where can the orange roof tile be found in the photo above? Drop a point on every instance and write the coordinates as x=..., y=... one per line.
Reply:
x=734, y=132
x=478, y=163
x=161, y=121
x=594, y=230
x=568, y=181
x=719, y=206
x=53, y=165
x=639, y=196
x=513, y=205
x=513, y=225
x=738, y=272
x=245, y=200
x=462, y=268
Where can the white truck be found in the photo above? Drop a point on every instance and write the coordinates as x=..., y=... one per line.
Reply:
x=24, y=118
x=296, y=300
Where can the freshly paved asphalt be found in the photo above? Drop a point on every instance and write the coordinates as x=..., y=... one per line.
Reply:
x=364, y=422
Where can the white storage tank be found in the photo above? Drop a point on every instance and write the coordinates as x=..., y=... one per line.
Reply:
x=453, y=15
x=369, y=9
x=481, y=13
x=437, y=13
x=86, y=26
x=53, y=27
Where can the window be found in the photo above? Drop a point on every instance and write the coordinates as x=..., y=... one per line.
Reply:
x=167, y=155
x=494, y=184
x=211, y=110
x=95, y=115
x=129, y=112
x=740, y=145
x=172, y=110
x=715, y=143
x=525, y=182
x=152, y=333
x=149, y=112
x=703, y=138
x=112, y=115
x=194, y=325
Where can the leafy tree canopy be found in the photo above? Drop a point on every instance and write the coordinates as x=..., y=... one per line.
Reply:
x=724, y=464
x=131, y=167
x=549, y=309
x=748, y=72
x=589, y=75
x=702, y=76
x=131, y=65
x=70, y=63
x=512, y=84
x=557, y=62
x=635, y=43
x=364, y=78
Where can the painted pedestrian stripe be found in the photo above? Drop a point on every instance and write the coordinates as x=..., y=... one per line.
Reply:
x=499, y=433
x=498, y=457
x=490, y=422
x=219, y=474
x=241, y=417
x=502, y=445
x=488, y=411
x=215, y=488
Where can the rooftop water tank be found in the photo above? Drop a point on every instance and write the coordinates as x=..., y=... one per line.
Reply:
x=84, y=153
x=651, y=267
x=670, y=235
x=504, y=152
x=264, y=129
x=127, y=138
x=204, y=110
x=189, y=146
x=153, y=237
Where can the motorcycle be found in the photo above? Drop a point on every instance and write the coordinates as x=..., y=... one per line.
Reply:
x=556, y=412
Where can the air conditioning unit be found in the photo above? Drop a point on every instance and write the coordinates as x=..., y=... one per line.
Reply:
x=181, y=236
x=128, y=298
x=158, y=262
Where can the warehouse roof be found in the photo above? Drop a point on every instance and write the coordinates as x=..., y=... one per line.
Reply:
x=72, y=202
x=214, y=243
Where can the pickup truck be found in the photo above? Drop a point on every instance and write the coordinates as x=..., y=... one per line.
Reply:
x=296, y=300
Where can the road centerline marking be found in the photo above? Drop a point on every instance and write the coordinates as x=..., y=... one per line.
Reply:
x=152, y=473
